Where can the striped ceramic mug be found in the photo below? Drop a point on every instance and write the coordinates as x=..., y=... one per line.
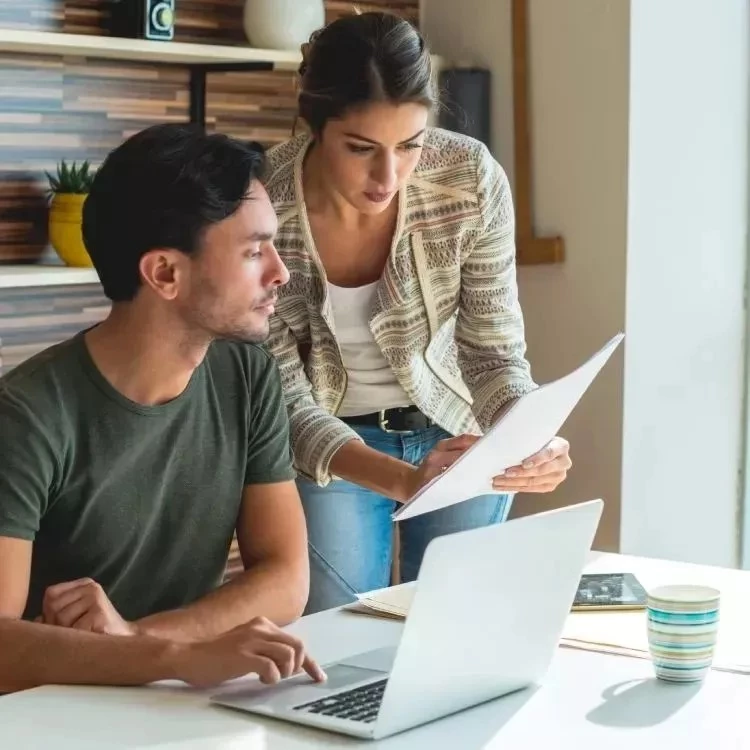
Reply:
x=683, y=623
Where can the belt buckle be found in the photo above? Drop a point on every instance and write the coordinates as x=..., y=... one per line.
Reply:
x=383, y=424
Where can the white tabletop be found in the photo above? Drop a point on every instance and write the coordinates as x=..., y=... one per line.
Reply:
x=587, y=700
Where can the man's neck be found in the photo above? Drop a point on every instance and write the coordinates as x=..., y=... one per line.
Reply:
x=149, y=360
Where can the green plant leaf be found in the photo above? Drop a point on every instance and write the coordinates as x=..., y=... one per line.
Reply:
x=71, y=178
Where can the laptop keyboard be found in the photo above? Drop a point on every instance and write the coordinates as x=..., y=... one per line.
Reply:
x=358, y=704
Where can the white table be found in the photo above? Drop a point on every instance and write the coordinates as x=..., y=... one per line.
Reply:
x=587, y=700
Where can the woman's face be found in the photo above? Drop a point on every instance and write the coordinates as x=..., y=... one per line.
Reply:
x=371, y=151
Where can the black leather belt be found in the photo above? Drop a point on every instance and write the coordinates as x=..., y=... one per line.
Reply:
x=400, y=419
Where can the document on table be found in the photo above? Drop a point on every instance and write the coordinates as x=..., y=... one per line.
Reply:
x=622, y=632
x=393, y=602
x=525, y=429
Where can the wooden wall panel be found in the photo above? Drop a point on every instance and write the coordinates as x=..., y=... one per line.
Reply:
x=33, y=319
x=67, y=107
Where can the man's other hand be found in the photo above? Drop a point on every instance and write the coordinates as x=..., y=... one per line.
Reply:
x=82, y=604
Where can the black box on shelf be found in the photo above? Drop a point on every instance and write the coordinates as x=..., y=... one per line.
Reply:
x=142, y=19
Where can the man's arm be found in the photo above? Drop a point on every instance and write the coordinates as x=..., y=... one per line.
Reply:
x=15, y=571
x=33, y=654
x=272, y=537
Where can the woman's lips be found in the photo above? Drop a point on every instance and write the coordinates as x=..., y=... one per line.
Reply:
x=378, y=197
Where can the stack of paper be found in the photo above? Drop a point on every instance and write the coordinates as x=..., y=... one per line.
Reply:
x=532, y=421
x=624, y=632
x=392, y=602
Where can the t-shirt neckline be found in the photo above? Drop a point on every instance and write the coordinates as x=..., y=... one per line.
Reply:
x=110, y=392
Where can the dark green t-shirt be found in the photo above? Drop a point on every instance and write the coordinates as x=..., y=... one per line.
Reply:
x=143, y=500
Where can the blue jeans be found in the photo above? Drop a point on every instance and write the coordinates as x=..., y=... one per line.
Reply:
x=350, y=530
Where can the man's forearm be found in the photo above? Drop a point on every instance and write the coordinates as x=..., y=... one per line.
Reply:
x=269, y=589
x=33, y=654
x=367, y=467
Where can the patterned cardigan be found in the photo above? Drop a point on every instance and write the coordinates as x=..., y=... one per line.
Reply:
x=446, y=316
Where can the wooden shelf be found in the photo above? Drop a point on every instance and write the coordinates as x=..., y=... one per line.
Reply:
x=141, y=50
x=13, y=277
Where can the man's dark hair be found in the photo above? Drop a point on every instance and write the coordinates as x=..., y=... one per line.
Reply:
x=163, y=187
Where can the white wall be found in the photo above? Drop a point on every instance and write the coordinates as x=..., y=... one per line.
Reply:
x=579, y=78
x=687, y=251
x=639, y=137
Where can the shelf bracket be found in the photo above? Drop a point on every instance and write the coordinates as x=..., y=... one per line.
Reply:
x=198, y=75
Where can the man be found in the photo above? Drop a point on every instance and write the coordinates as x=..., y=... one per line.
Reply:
x=131, y=453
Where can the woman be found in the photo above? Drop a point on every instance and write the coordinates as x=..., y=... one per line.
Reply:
x=400, y=326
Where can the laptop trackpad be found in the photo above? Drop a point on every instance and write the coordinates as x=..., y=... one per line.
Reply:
x=298, y=689
x=380, y=659
x=342, y=675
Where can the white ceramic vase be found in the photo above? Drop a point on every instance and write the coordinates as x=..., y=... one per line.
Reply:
x=282, y=24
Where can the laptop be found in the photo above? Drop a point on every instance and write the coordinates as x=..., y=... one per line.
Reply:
x=487, y=616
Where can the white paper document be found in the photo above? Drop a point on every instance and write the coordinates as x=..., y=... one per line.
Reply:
x=526, y=428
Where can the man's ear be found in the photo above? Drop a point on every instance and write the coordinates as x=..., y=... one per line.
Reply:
x=163, y=270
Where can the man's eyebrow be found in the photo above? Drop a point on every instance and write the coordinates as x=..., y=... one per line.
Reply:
x=375, y=143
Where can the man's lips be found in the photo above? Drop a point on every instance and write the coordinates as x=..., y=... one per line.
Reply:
x=266, y=305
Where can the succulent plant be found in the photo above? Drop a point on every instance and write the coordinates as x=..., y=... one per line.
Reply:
x=71, y=178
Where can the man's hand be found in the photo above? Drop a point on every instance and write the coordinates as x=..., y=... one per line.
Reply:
x=542, y=472
x=82, y=604
x=259, y=646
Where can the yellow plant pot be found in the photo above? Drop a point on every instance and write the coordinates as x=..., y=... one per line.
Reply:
x=65, y=218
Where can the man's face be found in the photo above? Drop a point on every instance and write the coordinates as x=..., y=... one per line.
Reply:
x=233, y=279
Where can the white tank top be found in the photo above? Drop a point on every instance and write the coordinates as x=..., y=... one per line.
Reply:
x=372, y=385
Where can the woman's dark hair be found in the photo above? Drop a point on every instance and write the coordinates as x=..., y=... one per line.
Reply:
x=163, y=187
x=358, y=59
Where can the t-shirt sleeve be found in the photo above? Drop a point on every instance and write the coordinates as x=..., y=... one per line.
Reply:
x=269, y=453
x=28, y=469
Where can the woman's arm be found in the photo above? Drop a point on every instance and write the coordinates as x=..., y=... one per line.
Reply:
x=324, y=446
x=490, y=328
x=490, y=331
x=316, y=435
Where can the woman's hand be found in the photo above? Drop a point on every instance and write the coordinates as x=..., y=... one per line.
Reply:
x=438, y=460
x=542, y=472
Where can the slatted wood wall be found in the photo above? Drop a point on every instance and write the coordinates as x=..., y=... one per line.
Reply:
x=33, y=319
x=53, y=107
